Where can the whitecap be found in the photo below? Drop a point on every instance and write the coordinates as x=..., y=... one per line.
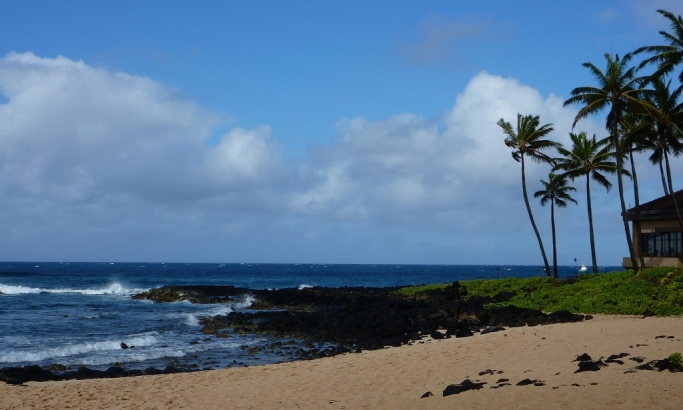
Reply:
x=304, y=286
x=75, y=349
x=112, y=289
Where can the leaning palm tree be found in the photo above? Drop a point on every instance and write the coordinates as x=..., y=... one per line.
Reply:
x=591, y=158
x=618, y=90
x=527, y=140
x=556, y=191
x=667, y=57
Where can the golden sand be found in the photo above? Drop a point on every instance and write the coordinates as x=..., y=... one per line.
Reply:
x=396, y=378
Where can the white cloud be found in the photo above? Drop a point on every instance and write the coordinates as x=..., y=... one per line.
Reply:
x=74, y=133
x=453, y=170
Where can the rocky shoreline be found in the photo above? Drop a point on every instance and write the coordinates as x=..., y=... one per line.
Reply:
x=336, y=320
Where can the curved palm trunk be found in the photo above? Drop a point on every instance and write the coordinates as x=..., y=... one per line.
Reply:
x=661, y=171
x=531, y=218
x=636, y=223
x=671, y=190
x=620, y=182
x=590, y=223
x=552, y=223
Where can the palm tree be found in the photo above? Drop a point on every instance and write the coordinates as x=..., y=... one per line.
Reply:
x=635, y=131
x=664, y=114
x=591, y=158
x=669, y=56
x=527, y=140
x=557, y=192
x=651, y=143
x=618, y=90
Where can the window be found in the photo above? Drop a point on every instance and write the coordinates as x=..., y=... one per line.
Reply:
x=661, y=244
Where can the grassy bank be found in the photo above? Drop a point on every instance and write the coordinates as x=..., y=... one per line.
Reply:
x=658, y=289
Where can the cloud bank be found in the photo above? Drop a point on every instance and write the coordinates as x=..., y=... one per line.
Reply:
x=86, y=153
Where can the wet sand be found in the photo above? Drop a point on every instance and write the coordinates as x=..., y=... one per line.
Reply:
x=396, y=378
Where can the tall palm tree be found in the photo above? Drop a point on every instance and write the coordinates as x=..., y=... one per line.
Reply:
x=618, y=90
x=527, y=140
x=664, y=114
x=591, y=158
x=666, y=57
x=556, y=191
x=635, y=131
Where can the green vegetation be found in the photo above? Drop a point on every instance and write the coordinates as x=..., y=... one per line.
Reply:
x=659, y=290
x=676, y=358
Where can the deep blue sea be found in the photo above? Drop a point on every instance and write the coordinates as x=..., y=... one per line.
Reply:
x=78, y=314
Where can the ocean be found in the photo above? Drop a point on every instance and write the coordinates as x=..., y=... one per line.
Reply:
x=79, y=314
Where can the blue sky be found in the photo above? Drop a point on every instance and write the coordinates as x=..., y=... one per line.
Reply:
x=295, y=131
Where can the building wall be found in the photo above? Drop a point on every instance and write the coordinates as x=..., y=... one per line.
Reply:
x=650, y=227
x=651, y=262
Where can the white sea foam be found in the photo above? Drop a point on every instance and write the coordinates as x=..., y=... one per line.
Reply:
x=191, y=320
x=76, y=349
x=112, y=289
x=244, y=301
x=218, y=310
x=304, y=286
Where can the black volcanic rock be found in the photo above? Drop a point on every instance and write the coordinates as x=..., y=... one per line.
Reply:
x=583, y=358
x=492, y=329
x=590, y=366
x=466, y=385
x=666, y=364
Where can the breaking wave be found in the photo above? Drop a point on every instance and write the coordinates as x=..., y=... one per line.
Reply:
x=111, y=289
x=75, y=349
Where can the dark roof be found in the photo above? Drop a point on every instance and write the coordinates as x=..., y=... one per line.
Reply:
x=660, y=208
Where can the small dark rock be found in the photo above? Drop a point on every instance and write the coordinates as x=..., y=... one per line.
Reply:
x=666, y=364
x=492, y=329
x=58, y=368
x=615, y=358
x=464, y=332
x=583, y=358
x=437, y=335
x=467, y=384
x=646, y=366
x=648, y=313
x=194, y=342
x=590, y=366
x=500, y=385
x=526, y=382
x=428, y=394
x=124, y=346
x=502, y=381
x=589, y=317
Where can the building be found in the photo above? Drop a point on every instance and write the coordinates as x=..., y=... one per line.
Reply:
x=660, y=232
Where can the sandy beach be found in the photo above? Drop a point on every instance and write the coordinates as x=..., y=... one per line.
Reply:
x=396, y=378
